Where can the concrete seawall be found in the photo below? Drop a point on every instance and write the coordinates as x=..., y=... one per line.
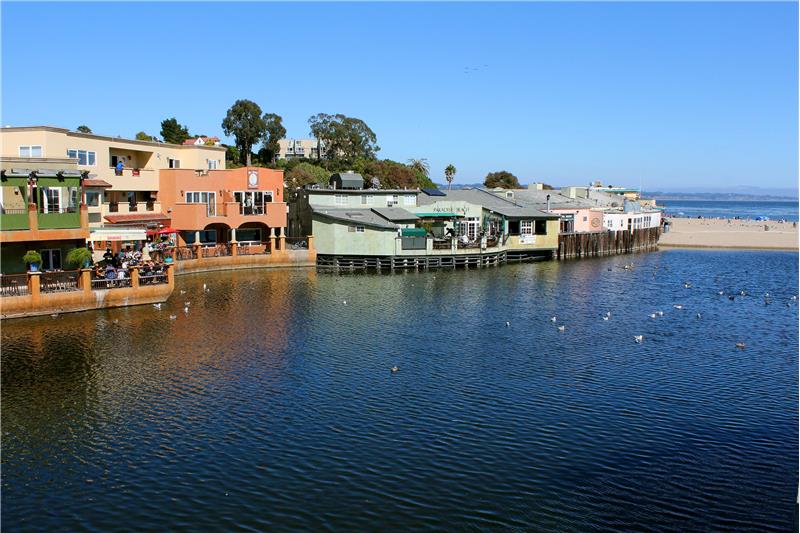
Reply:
x=83, y=297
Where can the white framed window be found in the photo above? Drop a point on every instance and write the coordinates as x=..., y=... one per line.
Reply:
x=93, y=199
x=341, y=199
x=409, y=199
x=396, y=199
x=31, y=150
x=359, y=229
x=526, y=227
x=173, y=163
x=212, y=164
x=86, y=158
x=366, y=199
x=203, y=197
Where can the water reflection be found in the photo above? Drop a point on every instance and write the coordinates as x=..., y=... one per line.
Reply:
x=271, y=401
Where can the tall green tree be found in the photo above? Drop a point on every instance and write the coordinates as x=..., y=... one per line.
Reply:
x=449, y=175
x=420, y=165
x=503, y=179
x=84, y=129
x=305, y=173
x=344, y=137
x=273, y=132
x=142, y=136
x=245, y=123
x=173, y=132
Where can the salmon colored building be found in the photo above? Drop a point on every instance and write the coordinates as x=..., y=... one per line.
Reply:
x=210, y=207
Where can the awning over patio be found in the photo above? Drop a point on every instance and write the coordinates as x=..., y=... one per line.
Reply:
x=121, y=234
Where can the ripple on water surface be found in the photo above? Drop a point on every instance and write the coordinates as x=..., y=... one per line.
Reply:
x=271, y=403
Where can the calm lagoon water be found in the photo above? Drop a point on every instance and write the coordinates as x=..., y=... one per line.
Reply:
x=271, y=405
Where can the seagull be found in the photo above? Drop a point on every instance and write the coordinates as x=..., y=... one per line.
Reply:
x=687, y=285
x=345, y=302
x=677, y=306
x=740, y=345
x=54, y=315
x=183, y=292
x=638, y=338
x=653, y=315
x=552, y=319
x=395, y=369
x=731, y=297
x=157, y=306
x=606, y=317
x=186, y=310
x=561, y=328
x=743, y=293
x=698, y=315
x=608, y=313
x=660, y=313
x=187, y=304
x=721, y=293
x=508, y=324
x=204, y=287
x=115, y=321
x=794, y=298
x=173, y=317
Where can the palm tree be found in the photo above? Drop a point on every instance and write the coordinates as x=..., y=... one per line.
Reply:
x=449, y=175
x=420, y=165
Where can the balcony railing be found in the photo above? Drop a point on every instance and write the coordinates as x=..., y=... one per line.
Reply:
x=14, y=285
x=65, y=281
x=219, y=250
x=58, y=210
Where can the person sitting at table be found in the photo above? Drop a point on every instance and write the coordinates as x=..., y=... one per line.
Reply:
x=108, y=256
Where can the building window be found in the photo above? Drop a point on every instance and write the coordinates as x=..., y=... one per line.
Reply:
x=252, y=202
x=173, y=163
x=93, y=199
x=366, y=199
x=85, y=158
x=540, y=227
x=409, y=199
x=30, y=151
x=341, y=199
x=51, y=259
x=208, y=198
x=526, y=227
x=359, y=229
x=212, y=164
x=247, y=235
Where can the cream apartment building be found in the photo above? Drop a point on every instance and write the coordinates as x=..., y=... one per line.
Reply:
x=129, y=197
x=301, y=148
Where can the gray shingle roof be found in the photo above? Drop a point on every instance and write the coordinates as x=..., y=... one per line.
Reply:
x=395, y=214
x=361, y=217
x=488, y=201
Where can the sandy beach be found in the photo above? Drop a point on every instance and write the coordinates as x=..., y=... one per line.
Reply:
x=725, y=233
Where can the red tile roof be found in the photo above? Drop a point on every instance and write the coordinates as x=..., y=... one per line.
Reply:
x=137, y=217
x=96, y=183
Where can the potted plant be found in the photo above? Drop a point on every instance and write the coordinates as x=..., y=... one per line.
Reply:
x=33, y=259
x=79, y=257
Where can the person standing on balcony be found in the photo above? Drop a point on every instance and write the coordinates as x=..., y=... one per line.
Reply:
x=119, y=167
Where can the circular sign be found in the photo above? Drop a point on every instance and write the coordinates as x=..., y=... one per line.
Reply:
x=595, y=222
x=252, y=178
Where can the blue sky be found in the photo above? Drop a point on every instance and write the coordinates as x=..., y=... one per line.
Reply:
x=663, y=95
